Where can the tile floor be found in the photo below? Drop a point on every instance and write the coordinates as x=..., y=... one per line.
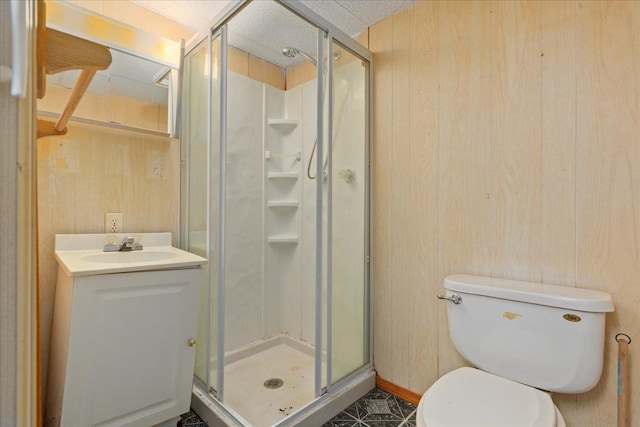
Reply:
x=375, y=409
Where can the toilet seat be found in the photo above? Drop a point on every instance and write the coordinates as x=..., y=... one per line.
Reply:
x=469, y=397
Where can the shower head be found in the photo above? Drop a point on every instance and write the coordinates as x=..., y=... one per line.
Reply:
x=292, y=52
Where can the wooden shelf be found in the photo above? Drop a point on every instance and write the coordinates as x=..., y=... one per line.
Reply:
x=47, y=127
x=61, y=52
x=283, y=240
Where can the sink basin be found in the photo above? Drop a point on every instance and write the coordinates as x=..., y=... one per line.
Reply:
x=133, y=256
x=82, y=255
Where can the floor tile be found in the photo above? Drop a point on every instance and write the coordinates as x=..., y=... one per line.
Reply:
x=191, y=419
x=405, y=407
x=341, y=423
x=352, y=410
x=378, y=423
x=377, y=408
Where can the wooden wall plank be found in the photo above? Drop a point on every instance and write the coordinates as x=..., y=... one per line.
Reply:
x=91, y=106
x=300, y=73
x=266, y=72
x=93, y=5
x=516, y=139
x=400, y=207
x=238, y=61
x=423, y=201
x=559, y=153
x=132, y=112
x=608, y=182
x=363, y=38
x=93, y=170
x=464, y=205
x=144, y=19
x=558, y=142
x=538, y=108
x=381, y=151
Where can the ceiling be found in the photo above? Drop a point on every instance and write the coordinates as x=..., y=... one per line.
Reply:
x=264, y=28
x=350, y=16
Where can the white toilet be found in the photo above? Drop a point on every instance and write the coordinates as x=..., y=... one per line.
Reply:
x=526, y=340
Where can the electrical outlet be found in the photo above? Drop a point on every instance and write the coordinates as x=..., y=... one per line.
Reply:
x=113, y=222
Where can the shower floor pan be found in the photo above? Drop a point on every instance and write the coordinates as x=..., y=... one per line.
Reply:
x=250, y=395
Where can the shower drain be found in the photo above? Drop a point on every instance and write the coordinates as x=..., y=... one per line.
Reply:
x=273, y=383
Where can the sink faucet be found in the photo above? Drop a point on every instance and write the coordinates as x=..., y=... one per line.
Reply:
x=126, y=244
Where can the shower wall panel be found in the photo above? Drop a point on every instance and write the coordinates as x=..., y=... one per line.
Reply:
x=275, y=262
x=290, y=271
x=308, y=94
x=244, y=225
x=275, y=293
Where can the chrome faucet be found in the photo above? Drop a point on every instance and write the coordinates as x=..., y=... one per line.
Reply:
x=126, y=244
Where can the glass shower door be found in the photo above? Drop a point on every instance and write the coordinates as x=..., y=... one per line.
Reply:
x=348, y=200
x=200, y=185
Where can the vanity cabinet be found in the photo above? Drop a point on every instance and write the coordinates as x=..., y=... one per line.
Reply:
x=123, y=347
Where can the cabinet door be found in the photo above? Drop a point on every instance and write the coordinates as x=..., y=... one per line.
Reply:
x=129, y=360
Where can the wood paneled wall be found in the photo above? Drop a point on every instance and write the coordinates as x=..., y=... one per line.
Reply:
x=111, y=108
x=255, y=68
x=93, y=170
x=506, y=143
x=137, y=16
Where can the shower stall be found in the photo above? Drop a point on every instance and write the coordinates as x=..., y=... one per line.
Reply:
x=275, y=194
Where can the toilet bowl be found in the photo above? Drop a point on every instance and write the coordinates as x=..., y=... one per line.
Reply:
x=468, y=397
x=522, y=338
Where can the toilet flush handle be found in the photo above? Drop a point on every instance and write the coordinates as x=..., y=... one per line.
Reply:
x=454, y=298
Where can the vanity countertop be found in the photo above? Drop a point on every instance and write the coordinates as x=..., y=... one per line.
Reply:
x=82, y=254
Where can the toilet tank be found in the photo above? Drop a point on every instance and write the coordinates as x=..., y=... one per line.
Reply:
x=546, y=336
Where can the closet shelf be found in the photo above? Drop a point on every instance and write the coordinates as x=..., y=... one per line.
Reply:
x=283, y=203
x=282, y=122
x=283, y=239
x=283, y=175
x=57, y=52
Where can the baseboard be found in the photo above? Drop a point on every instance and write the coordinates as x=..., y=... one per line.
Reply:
x=398, y=391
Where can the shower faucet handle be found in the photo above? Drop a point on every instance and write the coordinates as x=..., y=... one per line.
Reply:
x=454, y=298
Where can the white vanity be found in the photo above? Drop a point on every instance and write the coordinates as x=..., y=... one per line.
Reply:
x=123, y=339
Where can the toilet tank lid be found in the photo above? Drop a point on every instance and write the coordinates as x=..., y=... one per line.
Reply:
x=534, y=293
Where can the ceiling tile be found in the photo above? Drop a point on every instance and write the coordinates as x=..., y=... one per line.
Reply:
x=350, y=16
x=372, y=11
x=338, y=15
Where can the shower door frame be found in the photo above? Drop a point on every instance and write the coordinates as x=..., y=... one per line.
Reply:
x=328, y=34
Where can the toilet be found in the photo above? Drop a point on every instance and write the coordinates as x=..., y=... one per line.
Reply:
x=525, y=341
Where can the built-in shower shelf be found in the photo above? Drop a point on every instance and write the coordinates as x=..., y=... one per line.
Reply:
x=283, y=175
x=282, y=122
x=284, y=204
x=283, y=239
x=271, y=155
